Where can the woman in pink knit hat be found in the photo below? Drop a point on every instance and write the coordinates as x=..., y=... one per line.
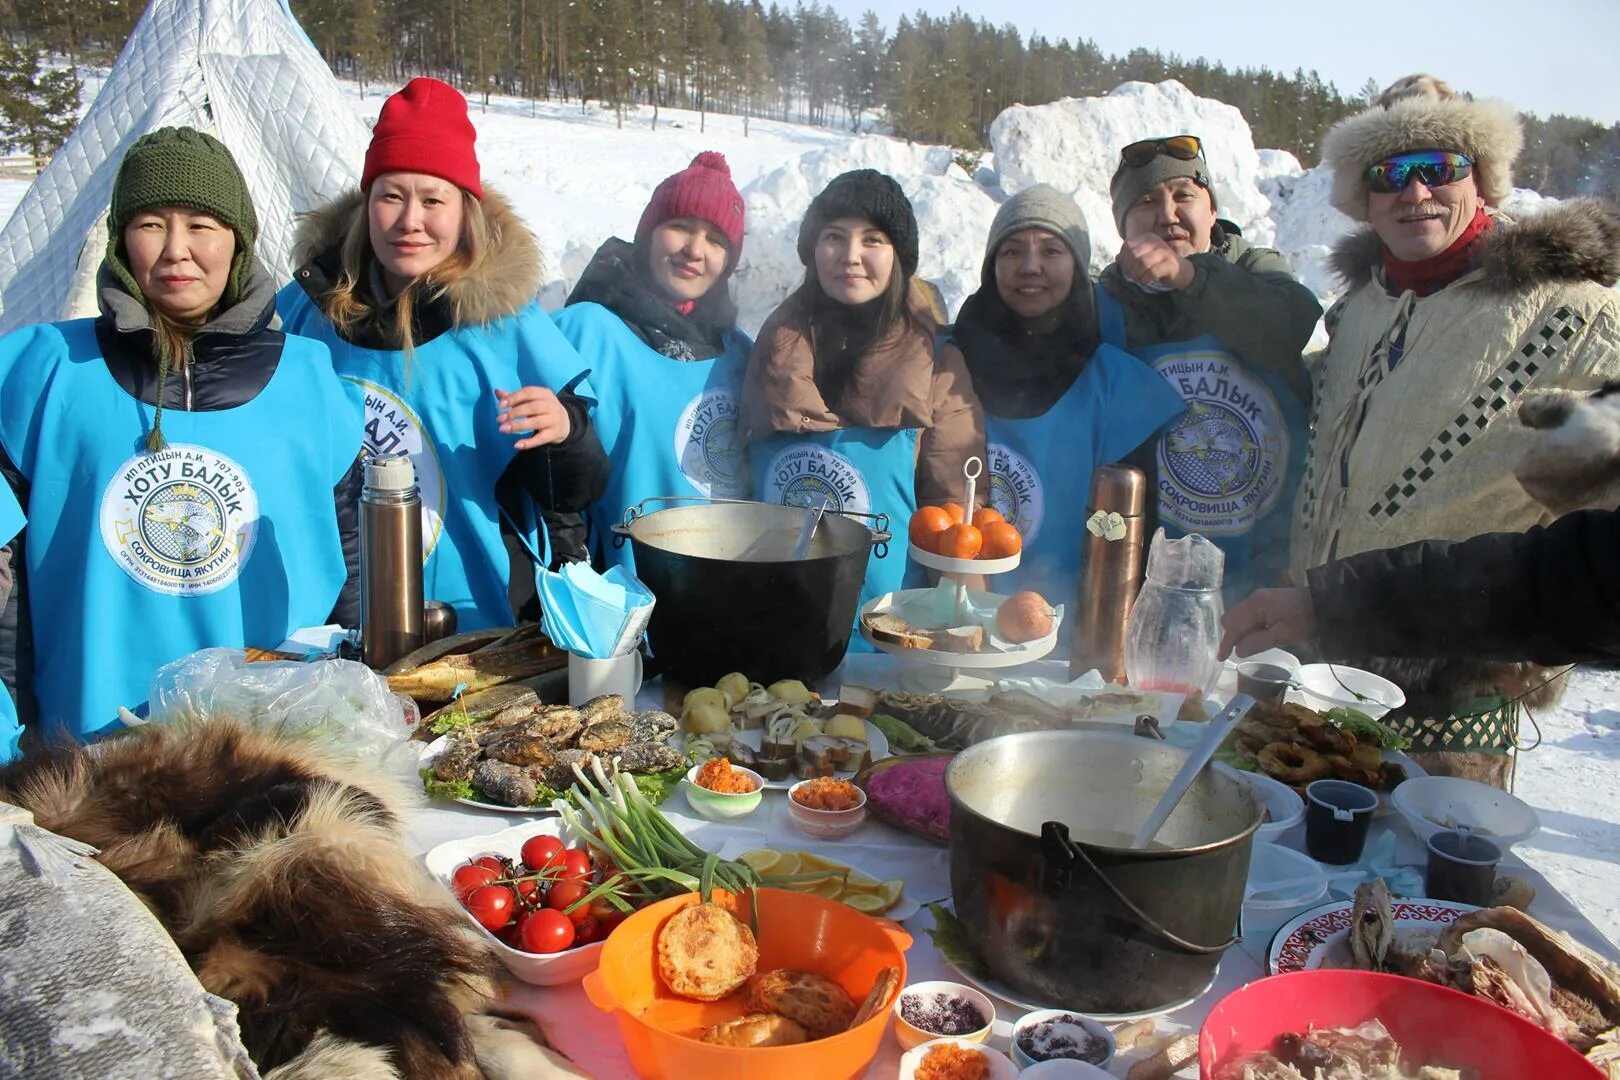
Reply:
x=423, y=284
x=655, y=321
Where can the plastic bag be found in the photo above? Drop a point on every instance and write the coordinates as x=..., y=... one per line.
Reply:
x=1174, y=631
x=339, y=702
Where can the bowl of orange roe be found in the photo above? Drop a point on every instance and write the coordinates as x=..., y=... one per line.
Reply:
x=826, y=808
x=720, y=791
x=955, y=1059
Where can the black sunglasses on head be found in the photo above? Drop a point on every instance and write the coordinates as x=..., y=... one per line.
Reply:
x=1180, y=147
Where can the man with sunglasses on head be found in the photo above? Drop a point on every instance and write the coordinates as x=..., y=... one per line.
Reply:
x=1223, y=322
x=1453, y=310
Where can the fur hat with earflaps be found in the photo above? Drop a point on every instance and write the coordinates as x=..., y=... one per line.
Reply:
x=1421, y=112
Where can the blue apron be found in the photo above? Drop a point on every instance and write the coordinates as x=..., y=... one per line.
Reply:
x=855, y=470
x=1040, y=468
x=11, y=523
x=1230, y=466
x=669, y=426
x=229, y=537
x=439, y=406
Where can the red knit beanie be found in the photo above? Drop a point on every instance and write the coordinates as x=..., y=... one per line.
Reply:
x=701, y=190
x=424, y=129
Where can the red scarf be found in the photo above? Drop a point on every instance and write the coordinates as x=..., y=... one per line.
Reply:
x=685, y=307
x=1427, y=276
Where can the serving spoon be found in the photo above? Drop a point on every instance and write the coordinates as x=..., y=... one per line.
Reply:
x=1219, y=729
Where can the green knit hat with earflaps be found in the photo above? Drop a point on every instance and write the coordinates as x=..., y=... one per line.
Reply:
x=181, y=166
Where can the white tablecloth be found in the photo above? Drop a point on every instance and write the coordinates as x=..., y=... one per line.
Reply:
x=591, y=1038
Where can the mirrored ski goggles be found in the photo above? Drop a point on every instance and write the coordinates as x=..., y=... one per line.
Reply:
x=1180, y=147
x=1436, y=168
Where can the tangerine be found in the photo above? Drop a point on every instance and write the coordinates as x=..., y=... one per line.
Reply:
x=1001, y=541
x=986, y=515
x=961, y=542
x=1024, y=616
x=958, y=515
x=926, y=526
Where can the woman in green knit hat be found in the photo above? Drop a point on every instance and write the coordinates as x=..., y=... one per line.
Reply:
x=190, y=475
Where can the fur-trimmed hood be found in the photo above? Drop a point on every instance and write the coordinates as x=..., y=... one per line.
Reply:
x=1577, y=240
x=508, y=279
x=1421, y=113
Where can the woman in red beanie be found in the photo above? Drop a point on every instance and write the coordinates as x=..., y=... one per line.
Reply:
x=656, y=321
x=423, y=284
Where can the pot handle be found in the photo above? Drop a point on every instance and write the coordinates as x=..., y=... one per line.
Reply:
x=1062, y=855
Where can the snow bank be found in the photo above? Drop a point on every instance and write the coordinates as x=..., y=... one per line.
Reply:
x=1074, y=145
x=953, y=219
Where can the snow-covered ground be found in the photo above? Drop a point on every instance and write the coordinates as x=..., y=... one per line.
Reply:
x=577, y=178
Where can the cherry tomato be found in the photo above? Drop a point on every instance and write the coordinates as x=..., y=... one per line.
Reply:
x=606, y=924
x=586, y=930
x=491, y=905
x=576, y=865
x=493, y=862
x=566, y=892
x=470, y=877
x=546, y=931
x=529, y=889
x=538, y=851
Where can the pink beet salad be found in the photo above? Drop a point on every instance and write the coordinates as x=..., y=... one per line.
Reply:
x=911, y=794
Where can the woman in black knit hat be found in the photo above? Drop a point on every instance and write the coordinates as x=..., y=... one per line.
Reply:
x=847, y=403
x=190, y=476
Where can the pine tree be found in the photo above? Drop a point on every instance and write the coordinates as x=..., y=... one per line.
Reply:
x=865, y=68
x=755, y=62
x=38, y=108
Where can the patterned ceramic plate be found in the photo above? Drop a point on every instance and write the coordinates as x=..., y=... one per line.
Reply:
x=1321, y=937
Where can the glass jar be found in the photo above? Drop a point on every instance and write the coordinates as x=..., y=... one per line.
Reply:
x=1174, y=633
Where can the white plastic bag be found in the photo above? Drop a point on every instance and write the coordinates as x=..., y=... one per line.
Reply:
x=342, y=703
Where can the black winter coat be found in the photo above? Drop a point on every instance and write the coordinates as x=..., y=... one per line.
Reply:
x=1548, y=596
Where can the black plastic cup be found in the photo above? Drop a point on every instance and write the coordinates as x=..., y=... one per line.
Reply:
x=1337, y=817
x=1266, y=683
x=1462, y=867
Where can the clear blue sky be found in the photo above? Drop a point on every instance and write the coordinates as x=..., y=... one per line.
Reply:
x=1541, y=56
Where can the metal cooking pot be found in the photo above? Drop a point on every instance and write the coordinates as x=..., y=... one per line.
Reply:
x=730, y=595
x=1060, y=908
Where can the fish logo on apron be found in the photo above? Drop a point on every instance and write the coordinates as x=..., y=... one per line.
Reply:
x=1016, y=491
x=1221, y=462
x=392, y=427
x=181, y=521
x=808, y=475
x=706, y=445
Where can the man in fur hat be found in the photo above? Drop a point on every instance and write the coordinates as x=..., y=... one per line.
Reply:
x=1453, y=310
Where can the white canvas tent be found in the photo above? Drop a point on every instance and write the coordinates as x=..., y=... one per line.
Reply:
x=242, y=70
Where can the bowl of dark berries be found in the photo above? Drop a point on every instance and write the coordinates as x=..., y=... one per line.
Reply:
x=1053, y=1034
x=941, y=1010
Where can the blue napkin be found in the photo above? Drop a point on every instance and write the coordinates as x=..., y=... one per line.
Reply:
x=594, y=615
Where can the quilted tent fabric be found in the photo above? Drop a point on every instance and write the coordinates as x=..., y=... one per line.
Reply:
x=242, y=70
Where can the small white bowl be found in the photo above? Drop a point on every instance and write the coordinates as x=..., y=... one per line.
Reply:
x=1001, y=1066
x=1029, y=1020
x=1432, y=804
x=1265, y=911
x=909, y=1034
x=825, y=824
x=723, y=805
x=541, y=969
x=1064, y=1069
x=1335, y=686
x=1284, y=807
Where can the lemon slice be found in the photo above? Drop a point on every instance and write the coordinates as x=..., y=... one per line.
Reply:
x=868, y=903
x=763, y=861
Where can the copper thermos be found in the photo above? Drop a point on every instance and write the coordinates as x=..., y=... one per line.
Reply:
x=1111, y=571
x=391, y=610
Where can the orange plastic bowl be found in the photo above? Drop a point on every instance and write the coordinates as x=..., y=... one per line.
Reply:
x=796, y=930
x=1432, y=1025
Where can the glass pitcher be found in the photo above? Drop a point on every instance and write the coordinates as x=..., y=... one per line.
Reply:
x=1174, y=631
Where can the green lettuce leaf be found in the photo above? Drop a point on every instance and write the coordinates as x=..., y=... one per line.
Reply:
x=659, y=786
x=450, y=721
x=953, y=941
x=903, y=738
x=1366, y=729
x=446, y=789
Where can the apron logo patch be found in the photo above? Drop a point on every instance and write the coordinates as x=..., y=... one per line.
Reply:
x=1221, y=465
x=392, y=427
x=706, y=445
x=182, y=521
x=1016, y=492
x=815, y=476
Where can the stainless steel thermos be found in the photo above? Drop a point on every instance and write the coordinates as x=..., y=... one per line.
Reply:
x=391, y=610
x=1111, y=571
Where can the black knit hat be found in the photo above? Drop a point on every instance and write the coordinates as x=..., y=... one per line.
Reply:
x=869, y=194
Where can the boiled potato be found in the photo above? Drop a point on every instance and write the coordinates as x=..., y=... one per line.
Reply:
x=804, y=728
x=791, y=691
x=704, y=695
x=706, y=718
x=845, y=726
x=734, y=687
